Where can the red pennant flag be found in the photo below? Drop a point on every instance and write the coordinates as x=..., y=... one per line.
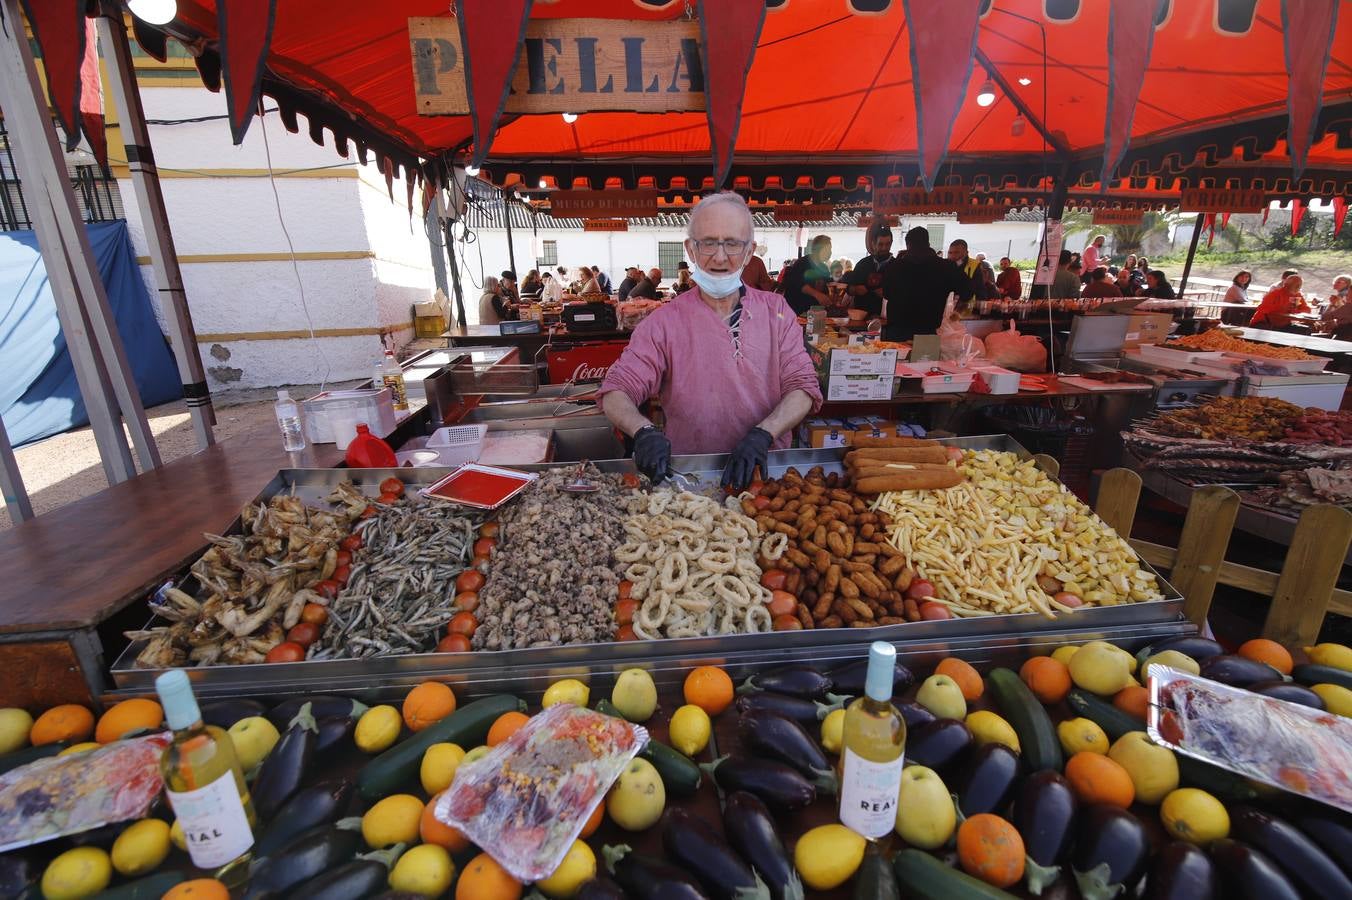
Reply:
x=1225, y=221
x=729, y=31
x=1266, y=208
x=491, y=36
x=58, y=27
x=1297, y=213
x=1339, y=214
x=91, y=96
x=943, y=43
x=1209, y=223
x=1307, y=29
x=1131, y=36
x=246, y=31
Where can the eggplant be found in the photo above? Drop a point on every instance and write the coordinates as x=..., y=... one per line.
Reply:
x=309, y=855
x=990, y=781
x=1334, y=835
x=16, y=875
x=938, y=745
x=770, y=735
x=1248, y=874
x=332, y=732
x=1181, y=871
x=362, y=877
x=1310, y=674
x=103, y=837
x=914, y=714
x=1237, y=671
x=849, y=678
x=1288, y=691
x=753, y=834
x=777, y=784
x=1308, y=867
x=793, y=681
x=693, y=843
x=280, y=772
x=1195, y=648
x=1110, y=852
x=646, y=878
x=804, y=712
x=321, y=707
x=1044, y=815
x=601, y=888
x=224, y=713
x=16, y=758
x=317, y=804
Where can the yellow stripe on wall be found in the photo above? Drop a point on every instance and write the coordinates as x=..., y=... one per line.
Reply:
x=311, y=256
x=123, y=171
x=228, y=336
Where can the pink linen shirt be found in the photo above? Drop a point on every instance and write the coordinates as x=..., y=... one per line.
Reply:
x=1090, y=259
x=712, y=391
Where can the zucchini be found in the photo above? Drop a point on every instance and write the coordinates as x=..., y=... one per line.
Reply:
x=924, y=876
x=1114, y=722
x=151, y=887
x=30, y=754
x=680, y=774
x=467, y=726
x=1311, y=675
x=1038, y=744
x=875, y=879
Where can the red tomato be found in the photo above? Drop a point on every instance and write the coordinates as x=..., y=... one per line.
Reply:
x=626, y=633
x=484, y=546
x=761, y=502
x=755, y=488
x=315, y=613
x=454, y=643
x=463, y=623
x=626, y=590
x=489, y=529
x=344, y=557
x=1066, y=598
x=774, y=579
x=624, y=611
x=469, y=580
x=328, y=588
x=387, y=499
x=935, y=611
x=368, y=512
x=787, y=622
x=782, y=603
x=303, y=633
x=351, y=542
x=342, y=574
x=479, y=564
x=393, y=486
x=287, y=651
x=630, y=480
x=468, y=601
x=954, y=453
x=920, y=589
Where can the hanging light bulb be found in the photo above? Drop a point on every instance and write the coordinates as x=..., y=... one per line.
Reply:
x=155, y=12
x=471, y=171
x=986, y=96
x=570, y=118
x=1017, y=126
x=543, y=184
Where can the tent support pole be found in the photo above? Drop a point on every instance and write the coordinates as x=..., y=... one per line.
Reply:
x=145, y=181
x=41, y=166
x=455, y=273
x=507, y=215
x=1192, y=251
x=11, y=482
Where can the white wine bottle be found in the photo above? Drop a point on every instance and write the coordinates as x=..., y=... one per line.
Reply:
x=203, y=781
x=873, y=746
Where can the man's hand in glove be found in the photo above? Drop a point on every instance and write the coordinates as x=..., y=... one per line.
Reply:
x=652, y=453
x=750, y=452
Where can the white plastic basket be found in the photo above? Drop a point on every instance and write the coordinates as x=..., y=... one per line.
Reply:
x=458, y=444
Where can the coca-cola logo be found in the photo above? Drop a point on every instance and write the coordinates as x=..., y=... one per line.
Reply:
x=584, y=372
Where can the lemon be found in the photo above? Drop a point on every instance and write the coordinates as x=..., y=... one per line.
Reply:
x=177, y=837
x=141, y=847
x=1100, y=669
x=478, y=752
x=1131, y=660
x=1153, y=769
x=689, y=729
x=1063, y=654
x=80, y=748
x=569, y=690
x=1082, y=734
x=636, y=801
x=77, y=873
x=828, y=856
x=1337, y=698
x=426, y=870
x=1336, y=655
x=635, y=695
x=578, y=867
x=15, y=724
x=393, y=820
x=989, y=728
x=833, y=731
x=254, y=739
x=1193, y=815
x=378, y=729
x=438, y=767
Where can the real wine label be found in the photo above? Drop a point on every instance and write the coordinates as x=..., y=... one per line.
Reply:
x=868, y=794
x=214, y=822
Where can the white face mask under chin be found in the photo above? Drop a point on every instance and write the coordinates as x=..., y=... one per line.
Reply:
x=717, y=286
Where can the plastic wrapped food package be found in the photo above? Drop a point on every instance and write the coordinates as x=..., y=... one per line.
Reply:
x=527, y=800
x=516, y=448
x=62, y=795
x=1297, y=748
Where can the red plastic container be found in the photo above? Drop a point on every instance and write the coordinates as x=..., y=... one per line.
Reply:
x=370, y=452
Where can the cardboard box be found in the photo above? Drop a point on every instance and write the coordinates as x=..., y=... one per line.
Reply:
x=1147, y=328
x=429, y=326
x=843, y=362
x=859, y=387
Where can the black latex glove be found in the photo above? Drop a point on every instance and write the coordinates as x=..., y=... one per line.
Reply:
x=750, y=452
x=652, y=453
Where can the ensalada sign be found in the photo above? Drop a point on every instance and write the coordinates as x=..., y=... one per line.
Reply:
x=919, y=200
x=569, y=65
x=1205, y=200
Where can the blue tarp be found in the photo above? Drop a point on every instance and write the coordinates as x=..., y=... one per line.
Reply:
x=39, y=395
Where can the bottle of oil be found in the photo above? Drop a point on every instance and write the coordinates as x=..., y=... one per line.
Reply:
x=873, y=747
x=389, y=374
x=204, y=784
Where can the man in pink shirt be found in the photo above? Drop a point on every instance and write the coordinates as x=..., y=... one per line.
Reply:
x=1092, y=255
x=727, y=361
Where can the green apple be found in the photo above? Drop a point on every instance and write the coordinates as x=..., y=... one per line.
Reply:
x=942, y=696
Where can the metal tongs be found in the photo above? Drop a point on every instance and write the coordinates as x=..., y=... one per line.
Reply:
x=581, y=484
x=684, y=481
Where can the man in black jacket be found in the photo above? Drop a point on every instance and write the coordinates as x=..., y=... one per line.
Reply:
x=917, y=286
x=631, y=276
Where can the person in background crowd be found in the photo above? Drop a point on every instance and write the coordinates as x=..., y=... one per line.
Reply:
x=1337, y=316
x=986, y=266
x=682, y=282
x=631, y=277
x=507, y=286
x=782, y=275
x=1100, y=285
x=1077, y=268
x=805, y=283
x=866, y=280
x=1280, y=304
x=1137, y=275
x=1157, y=285
x=588, y=281
x=848, y=265
x=1143, y=267
x=1093, y=254
x=647, y=286
x=1339, y=295
x=1065, y=283
x=1009, y=281
x=552, y=290
x=532, y=284
x=837, y=271
x=1238, y=291
x=957, y=254
x=602, y=279
x=917, y=286
x=1287, y=273
x=986, y=288
x=1125, y=283
x=562, y=275
x=755, y=274
x=492, y=305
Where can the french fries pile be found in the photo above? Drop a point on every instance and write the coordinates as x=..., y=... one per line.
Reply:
x=1011, y=540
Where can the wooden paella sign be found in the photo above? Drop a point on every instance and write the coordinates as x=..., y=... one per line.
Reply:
x=903, y=200
x=568, y=65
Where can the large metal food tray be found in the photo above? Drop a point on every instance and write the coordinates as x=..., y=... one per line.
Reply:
x=1138, y=622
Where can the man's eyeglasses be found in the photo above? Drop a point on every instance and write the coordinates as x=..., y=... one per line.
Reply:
x=731, y=246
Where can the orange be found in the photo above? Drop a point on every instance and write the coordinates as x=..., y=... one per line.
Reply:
x=968, y=679
x=427, y=704
x=1133, y=699
x=593, y=821
x=709, y=688
x=1047, y=678
x=197, y=889
x=433, y=831
x=991, y=849
x=128, y=716
x=68, y=722
x=1097, y=779
x=484, y=879
x=506, y=726
x=1270, y=652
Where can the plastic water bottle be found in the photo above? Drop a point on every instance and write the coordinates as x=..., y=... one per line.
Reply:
x=288, y=418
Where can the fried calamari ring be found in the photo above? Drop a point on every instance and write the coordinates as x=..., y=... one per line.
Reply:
x=774, y=545
x=631, y=551
x=673, y=573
